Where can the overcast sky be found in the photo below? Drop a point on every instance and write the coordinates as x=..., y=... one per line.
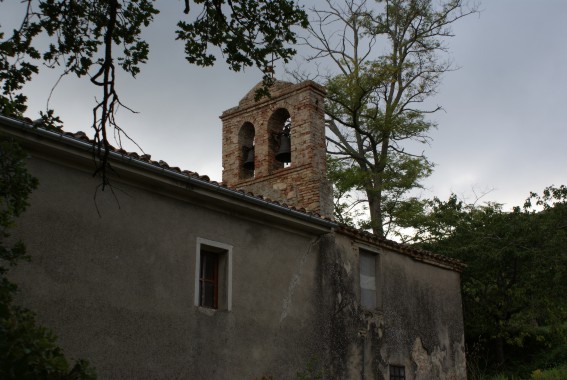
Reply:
x=503, y=129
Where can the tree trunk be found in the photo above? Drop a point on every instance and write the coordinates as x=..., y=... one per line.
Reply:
x=375, y=208
x=499, y=345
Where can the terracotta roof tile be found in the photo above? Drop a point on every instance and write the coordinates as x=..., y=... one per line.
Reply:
x=418, y=254
x=360, y=234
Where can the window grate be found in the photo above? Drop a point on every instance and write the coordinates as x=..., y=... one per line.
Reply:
x=397, y=372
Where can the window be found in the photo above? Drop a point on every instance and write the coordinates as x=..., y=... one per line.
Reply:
x=368, y=280
x=213, y=275
x=397, y=372
x=209, y=280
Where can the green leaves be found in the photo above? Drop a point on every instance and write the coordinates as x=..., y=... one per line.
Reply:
x=29, y=351
x=516, y=277
x=97, y=37
x=15, y=183
x=78, y=29
x=248, y=32
x=375, y=101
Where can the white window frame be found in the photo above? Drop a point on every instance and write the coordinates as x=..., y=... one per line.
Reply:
x=228, y=251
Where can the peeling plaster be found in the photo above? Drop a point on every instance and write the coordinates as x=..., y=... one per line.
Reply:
x=438, y=365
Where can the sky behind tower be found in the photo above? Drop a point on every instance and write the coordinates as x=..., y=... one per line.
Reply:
x=502, y=130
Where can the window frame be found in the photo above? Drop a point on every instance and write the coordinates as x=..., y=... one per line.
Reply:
x=397, y=376
x=222, y=279
x=378, y=277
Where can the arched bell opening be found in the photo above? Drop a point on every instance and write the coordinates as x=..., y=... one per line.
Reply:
x=279, y=130
x=246, y=142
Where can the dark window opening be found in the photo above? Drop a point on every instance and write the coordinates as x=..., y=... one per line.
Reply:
x=246, y=139
x=209, y=280
x=280, y=147
x=397, y=372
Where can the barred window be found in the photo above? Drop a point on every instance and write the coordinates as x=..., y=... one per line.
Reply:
x=397, y=372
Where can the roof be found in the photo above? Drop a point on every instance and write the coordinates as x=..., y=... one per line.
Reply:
x=404, y=249
x=204, y=180
x=164, y=168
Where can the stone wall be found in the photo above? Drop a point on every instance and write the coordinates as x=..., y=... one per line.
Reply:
x=303, y=183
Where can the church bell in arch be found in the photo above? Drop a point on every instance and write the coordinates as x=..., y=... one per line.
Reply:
x=284, y=152
x=249, y=162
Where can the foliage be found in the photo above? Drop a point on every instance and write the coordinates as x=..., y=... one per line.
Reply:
x=27, y=350
x=97, y=37
x=516, y=277
x=559, y=373
x=345, y=178
x=374, y=102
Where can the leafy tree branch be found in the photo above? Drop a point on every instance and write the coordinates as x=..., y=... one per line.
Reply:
x=388, y=59
x=95, y=38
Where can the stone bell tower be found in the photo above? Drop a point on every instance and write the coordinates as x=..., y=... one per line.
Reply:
x=253, y=137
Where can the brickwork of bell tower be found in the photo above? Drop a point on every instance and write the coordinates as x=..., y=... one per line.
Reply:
x=258, y=125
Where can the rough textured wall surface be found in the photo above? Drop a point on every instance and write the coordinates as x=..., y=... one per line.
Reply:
x=423, y=311
x=417, y=323
x=118, y=289
x=303, y=184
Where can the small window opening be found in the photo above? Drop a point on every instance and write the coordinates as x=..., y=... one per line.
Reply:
x=213, y=275
x=209, y=280
x=246, y=140
x=397, y=372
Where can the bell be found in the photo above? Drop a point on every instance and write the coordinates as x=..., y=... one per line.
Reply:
x=249, y=163
x=284, y=153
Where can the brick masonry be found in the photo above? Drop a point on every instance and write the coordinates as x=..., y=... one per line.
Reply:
x=303, y=183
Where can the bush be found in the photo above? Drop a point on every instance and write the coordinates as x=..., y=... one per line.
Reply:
x=557, y=373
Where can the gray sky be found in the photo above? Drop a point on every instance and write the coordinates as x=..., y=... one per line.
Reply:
x=503, y=129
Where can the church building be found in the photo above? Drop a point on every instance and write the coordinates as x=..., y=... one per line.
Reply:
x=169, y=275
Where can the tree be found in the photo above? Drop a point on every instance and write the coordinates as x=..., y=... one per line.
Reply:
x=84, y=36
x=516, y=277
x=373, y=102
x=27, y=350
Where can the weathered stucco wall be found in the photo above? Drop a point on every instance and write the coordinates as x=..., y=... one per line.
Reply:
x=417, y=322
x=118, y=289
x=423, y=313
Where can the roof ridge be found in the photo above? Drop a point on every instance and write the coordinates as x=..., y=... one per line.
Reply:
x=82, y=136
x=406, y=249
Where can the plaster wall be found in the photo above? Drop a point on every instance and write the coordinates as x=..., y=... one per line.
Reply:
x=417, y=323
x=118, y=288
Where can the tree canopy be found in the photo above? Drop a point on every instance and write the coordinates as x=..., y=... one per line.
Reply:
x=388, y=57
x=516, y=277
